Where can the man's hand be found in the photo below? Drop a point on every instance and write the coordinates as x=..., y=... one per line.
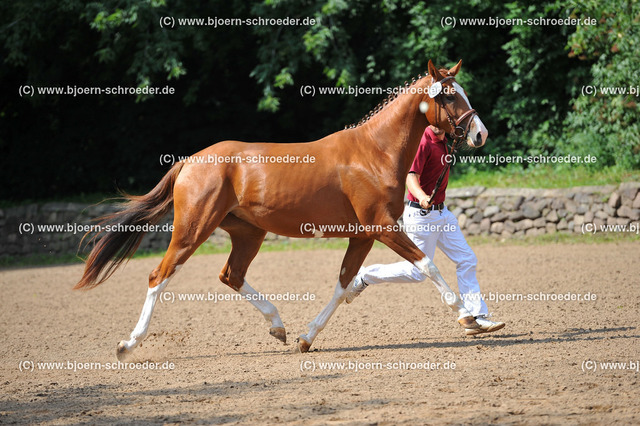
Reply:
x=425, y=202
x=413, y=184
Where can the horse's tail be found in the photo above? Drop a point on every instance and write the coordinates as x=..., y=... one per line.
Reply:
x=120, y=243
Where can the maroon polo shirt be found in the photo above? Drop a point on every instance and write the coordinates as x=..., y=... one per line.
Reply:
x=428, y=164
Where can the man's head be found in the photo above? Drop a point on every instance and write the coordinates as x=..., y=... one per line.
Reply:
x=437, y=131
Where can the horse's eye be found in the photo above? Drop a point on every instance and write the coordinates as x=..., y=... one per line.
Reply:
x=450, y=98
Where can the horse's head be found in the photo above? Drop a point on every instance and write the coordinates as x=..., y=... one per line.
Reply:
x=446, y=106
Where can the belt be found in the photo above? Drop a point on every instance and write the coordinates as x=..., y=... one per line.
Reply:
x=413, y=204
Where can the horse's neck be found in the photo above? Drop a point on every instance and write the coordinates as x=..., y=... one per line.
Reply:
x=398, y=128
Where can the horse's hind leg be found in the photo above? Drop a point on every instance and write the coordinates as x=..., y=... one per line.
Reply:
x=246, y=240
x=353, y=259
x=197, y=214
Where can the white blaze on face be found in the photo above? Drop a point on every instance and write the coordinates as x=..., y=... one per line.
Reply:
x=477, y=127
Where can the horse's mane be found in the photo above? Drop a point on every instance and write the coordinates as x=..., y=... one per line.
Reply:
x=394, y=94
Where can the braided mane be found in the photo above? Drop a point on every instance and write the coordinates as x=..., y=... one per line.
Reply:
x=394, y=94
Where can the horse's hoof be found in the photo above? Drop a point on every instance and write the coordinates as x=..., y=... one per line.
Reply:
x=279, y=333
x=303, y=345
x=122, y=352
x=468, y=322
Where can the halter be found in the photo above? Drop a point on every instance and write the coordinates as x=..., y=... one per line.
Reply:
x=459, y=134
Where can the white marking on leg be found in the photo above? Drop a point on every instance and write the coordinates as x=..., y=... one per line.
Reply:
x=267, y=308
x=318, y=234
x=318, y=324
x=429, y=268
x=142, y=327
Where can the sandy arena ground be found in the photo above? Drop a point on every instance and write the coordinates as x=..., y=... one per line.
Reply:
x=544, y=367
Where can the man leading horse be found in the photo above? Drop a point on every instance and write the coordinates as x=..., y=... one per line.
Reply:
x=357, y=179
x=429, y=223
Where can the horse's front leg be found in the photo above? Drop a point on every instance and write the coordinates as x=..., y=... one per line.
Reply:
x=353, y=259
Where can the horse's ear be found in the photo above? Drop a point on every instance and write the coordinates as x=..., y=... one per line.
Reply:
x=433, y=72
x=453, y=71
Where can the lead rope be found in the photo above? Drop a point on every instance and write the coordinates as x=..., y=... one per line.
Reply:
x=443, y=172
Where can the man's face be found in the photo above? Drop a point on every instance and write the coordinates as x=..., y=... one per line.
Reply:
x=437, y=131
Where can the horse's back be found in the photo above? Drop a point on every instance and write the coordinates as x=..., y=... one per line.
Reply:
x=278, y=186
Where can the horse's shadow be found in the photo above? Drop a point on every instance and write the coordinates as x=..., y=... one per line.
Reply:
x=495, y=340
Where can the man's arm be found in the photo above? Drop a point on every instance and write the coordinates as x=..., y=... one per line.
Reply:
x=413, y=183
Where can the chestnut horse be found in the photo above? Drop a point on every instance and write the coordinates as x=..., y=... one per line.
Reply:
x=357, y=179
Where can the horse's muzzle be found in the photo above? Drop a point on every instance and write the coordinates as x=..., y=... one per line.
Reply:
x=478, y=134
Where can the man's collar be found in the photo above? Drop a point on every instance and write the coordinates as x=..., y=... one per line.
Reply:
x=434, y=137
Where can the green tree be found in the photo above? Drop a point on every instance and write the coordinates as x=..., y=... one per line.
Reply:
x=607, y=125
x=240, y=82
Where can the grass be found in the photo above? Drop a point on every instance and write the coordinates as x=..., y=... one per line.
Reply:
x=330, y=244
x=542, y=177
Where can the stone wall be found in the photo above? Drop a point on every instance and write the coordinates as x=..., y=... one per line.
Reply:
x=489, y=211
x=508, y=212
x=23, y=229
